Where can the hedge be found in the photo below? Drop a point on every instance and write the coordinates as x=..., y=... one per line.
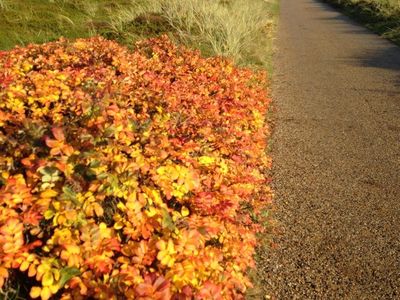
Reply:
x=129, y=174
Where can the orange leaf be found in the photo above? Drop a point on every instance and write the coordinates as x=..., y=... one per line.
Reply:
x=58, y=133
x=32, y=270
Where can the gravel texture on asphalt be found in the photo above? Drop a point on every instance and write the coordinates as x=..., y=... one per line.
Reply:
x=336, y=151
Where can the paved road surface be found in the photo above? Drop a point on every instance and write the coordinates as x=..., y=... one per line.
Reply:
x=337, y=159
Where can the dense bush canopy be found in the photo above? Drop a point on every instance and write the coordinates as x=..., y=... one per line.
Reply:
x=129, y=174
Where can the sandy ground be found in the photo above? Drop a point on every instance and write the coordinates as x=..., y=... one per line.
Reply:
x=336, y=154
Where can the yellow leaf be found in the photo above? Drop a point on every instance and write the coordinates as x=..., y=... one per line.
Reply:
x=27, y=66
x=31, y=257
x=56, y=274
x=47, y=279
x=184, y=211
x=41, y=269
x=48, y=194
x=167, y=261
x=121, y=206
x=161, y=245
x=103, y=226
x=56, y=205
x=60, y=220
x=161, y=170
x=35, y=292
x=134, y=205
x=174, y=172
x=156, y=197
x=118, y=225
x=170, y=247
x=54, y=288
x=223, y=167
x=74, y=249
x=48, y=214
x=46, y=293
x=24, y=266
x=151, y=212
x=206, y=160
x=98, y=209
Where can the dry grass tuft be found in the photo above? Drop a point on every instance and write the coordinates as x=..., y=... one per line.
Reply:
x=232, y=28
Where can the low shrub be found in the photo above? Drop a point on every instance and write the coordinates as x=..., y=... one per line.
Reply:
x=129, y=174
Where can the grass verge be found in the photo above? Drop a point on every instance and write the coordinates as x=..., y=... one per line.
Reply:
x=237, y=29
x=381, y=16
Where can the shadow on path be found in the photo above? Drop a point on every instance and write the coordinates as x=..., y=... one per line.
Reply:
x=387, y=57
x=384, y=58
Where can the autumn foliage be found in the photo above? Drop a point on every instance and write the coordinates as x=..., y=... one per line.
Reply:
x=129, y=174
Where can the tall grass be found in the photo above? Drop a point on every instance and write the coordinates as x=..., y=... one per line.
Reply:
x=228, y=27
x=225, y=27
x=3, y=4
x=233, y=28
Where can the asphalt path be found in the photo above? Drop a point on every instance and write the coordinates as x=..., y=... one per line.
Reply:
x=336, y=151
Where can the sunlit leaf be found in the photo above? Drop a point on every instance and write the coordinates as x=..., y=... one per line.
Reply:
x=35, y=292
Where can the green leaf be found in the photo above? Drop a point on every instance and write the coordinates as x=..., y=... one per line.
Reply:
x=109, y=131
x=134, y=125
x=47, y=178
x=102, y=176
x=167, y=221
x=95, y=163
x=67, y=273
x=88, y=154
x=49, y=171
x=69, y=195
